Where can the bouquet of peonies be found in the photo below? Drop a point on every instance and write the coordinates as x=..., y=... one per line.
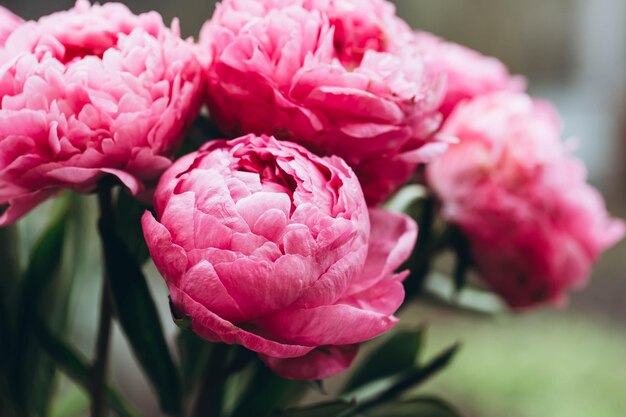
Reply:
x=341, y=154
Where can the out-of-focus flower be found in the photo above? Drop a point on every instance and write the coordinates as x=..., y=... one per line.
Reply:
x=468, y=73
x=534, y=225
x=266, y=245
x=90, y=92
x=8, y=23
x=339, y=77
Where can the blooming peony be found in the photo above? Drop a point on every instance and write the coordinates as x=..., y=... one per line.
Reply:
x=534, y=225
x=8, y=23
x=468, y=73
x=266, y=245
x=90, y=92
x=337, y=76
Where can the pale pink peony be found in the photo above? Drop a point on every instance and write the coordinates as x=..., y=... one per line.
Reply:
x=534, y=225
x=8, y=23
x=468, y=73
x=90, y=92
x=266, y=245
x=337, y=76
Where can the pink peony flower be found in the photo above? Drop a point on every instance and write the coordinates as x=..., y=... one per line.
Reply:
x=8, y=23
x=90, y=92
x=534, y=225
x=266, y=245
x=337, y=76
x=468, y=73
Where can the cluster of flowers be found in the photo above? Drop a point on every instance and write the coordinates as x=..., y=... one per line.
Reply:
x=274, y=240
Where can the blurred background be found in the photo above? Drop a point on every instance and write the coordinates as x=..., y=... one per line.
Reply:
x=565, y=363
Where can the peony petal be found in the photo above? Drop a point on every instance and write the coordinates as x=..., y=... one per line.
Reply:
x=260, y=287
x=384, y=298
x=202, y=281
x=21, y=205
x=326, y=325
x=321, y=363
x=130, y=181
x=179, y=219
x=209, y=232
x=169, y=258
x=270, y=224
x=255, y=206
x=392, y=238
x=209, y=325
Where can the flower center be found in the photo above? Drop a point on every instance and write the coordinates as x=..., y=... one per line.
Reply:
x=273, y=177
x=354, y=36
x=95, y=47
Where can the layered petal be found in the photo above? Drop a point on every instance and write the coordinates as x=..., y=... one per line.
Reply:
x=321, y=363
x=267, y=245
x=91, y=92
x=341, y=77
x=8, y=23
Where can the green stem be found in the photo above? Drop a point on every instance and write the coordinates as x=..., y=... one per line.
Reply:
x=211, y=392
x=419, y=262
x=99, y=369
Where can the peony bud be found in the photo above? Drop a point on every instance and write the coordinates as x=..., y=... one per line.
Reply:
x=264, y=244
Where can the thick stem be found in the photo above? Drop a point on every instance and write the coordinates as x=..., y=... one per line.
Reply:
x=210, y=394
x=100, y=364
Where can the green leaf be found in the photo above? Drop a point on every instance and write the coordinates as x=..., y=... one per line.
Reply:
x=33, y=374
x=463, y=258
x=415, y=407
x=406, y=197
x=183, y=322
x=325, y=409
x=74, y=365
x=210, y=398
x=318, y=386
x=267, y=393
x=71, y=402
x=397, y=353
x=128, y=212
x=9, y=259
x=390, y=388
x=194, y=355
x=423, y=211
x=471, y=300
x=139, y=319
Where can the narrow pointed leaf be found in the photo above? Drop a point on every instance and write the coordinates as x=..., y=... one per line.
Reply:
x=318, y=386
x=33, y=373
x=140, y=321
x=463, y=259
x=128, y=212
x=399, y=352
x=327, y=409
x=74, y=365
x=416, y=407
x=9, y=259
x=194, y=354
x=389, y=389
x=73, y=401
